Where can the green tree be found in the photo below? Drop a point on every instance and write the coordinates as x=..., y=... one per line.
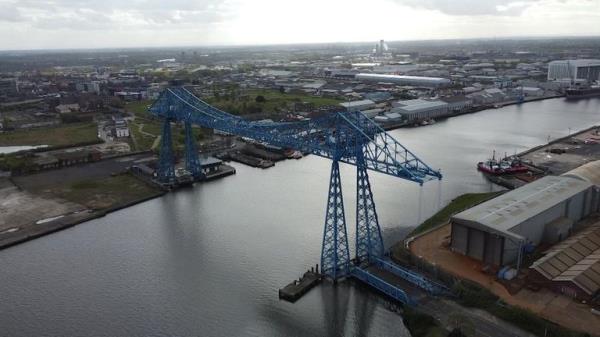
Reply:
x=260, y=99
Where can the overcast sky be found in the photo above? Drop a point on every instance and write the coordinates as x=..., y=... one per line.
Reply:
x=40, y=24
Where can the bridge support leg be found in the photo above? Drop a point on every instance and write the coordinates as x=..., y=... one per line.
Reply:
x=369, y=243
x=192, y=162
x=334, y=255
x=166, y=161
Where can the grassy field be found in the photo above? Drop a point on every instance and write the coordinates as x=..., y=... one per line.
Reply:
x=151, y=129
x=106, y=192
x=139, y=108
x=59, y=136
x=457, y=205
x=140, y=130
x=247, y=104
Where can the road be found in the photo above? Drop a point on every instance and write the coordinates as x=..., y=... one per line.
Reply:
x=484, y=323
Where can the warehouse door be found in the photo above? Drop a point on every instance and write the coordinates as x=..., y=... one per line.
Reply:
x=459, y=238
x=476, y=244
x=493, y=249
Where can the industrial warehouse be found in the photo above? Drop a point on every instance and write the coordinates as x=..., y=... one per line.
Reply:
x=416, y=109
x=550, y=214
x=544, y=211
x=418, y=81
x=572, y=267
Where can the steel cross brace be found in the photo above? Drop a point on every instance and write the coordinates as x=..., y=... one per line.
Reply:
x=166, y=160
x=192, y=161
x=369, y=243
x=335, y=257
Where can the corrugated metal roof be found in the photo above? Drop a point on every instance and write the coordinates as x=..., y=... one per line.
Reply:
x=512, y=208
x=576, y=260
x=357, y=103
x=589, y=172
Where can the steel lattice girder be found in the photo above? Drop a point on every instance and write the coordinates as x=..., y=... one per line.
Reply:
x=192, y=161
x=166, y=160
x=335, y=257
x=336, y=133
x=369, y=243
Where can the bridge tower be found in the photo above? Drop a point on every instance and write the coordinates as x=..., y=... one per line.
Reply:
x=166, y=160
x=335, y=257
x=192, y=161
x=369, y=243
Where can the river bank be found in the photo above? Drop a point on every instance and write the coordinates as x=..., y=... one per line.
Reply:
x=426, y=249
x=10, y=237
x=208, y=260
x=472, y=110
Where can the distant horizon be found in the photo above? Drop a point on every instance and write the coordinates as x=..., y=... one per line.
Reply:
x=111, y=24
x=214, y=46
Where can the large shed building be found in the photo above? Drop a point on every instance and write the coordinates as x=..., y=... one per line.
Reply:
x=546, y=210
x=418, y=81
x=419, y=109
x=572, y=267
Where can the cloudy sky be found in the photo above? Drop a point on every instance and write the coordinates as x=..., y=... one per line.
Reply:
x=40, y=24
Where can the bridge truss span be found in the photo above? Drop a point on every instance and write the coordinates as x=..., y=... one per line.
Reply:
x=346, y=137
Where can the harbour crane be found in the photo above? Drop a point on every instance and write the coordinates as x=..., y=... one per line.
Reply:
x=342, y=137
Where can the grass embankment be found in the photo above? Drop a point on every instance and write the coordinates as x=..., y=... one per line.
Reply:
x=421, y=325
x=457, y=205
x=62, y=136
x=106, y=192
x=247, y=103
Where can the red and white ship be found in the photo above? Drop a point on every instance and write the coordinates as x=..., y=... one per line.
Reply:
x=507, y=165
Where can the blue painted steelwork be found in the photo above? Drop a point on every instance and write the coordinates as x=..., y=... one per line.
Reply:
x=369, y=243
x=387, y=288
x=166, y=161
x=335, y=257
x=192, y=162
x=347, y=137
x=339, y=132
x=433, y=288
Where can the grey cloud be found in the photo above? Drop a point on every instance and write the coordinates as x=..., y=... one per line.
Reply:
x=8, y=12
x=471, y=7
x=115, y=14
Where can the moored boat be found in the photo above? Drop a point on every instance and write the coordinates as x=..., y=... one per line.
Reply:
x=507, y=165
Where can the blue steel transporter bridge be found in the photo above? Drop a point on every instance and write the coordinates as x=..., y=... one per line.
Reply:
x=342, y=137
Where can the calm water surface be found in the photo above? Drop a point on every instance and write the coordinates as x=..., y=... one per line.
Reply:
x=207, y=261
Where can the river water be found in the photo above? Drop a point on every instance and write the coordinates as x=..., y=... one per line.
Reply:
x=207, y=261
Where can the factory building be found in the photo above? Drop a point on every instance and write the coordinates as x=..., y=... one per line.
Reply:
x=457, y=103
x=544, y=211
x=572, y=267
x=574, y=70
x=365, y=104
x=419, y=109
x=8, y=87
x=417, y=81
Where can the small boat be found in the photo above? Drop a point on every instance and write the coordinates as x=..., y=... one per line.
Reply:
x=507, y=165
x=428, y=122
x=292, y=154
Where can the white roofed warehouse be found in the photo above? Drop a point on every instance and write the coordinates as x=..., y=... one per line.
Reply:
x=544, y=211
x=365, y=104
x=415, y=110
x=574, y=70
x=417, y=81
